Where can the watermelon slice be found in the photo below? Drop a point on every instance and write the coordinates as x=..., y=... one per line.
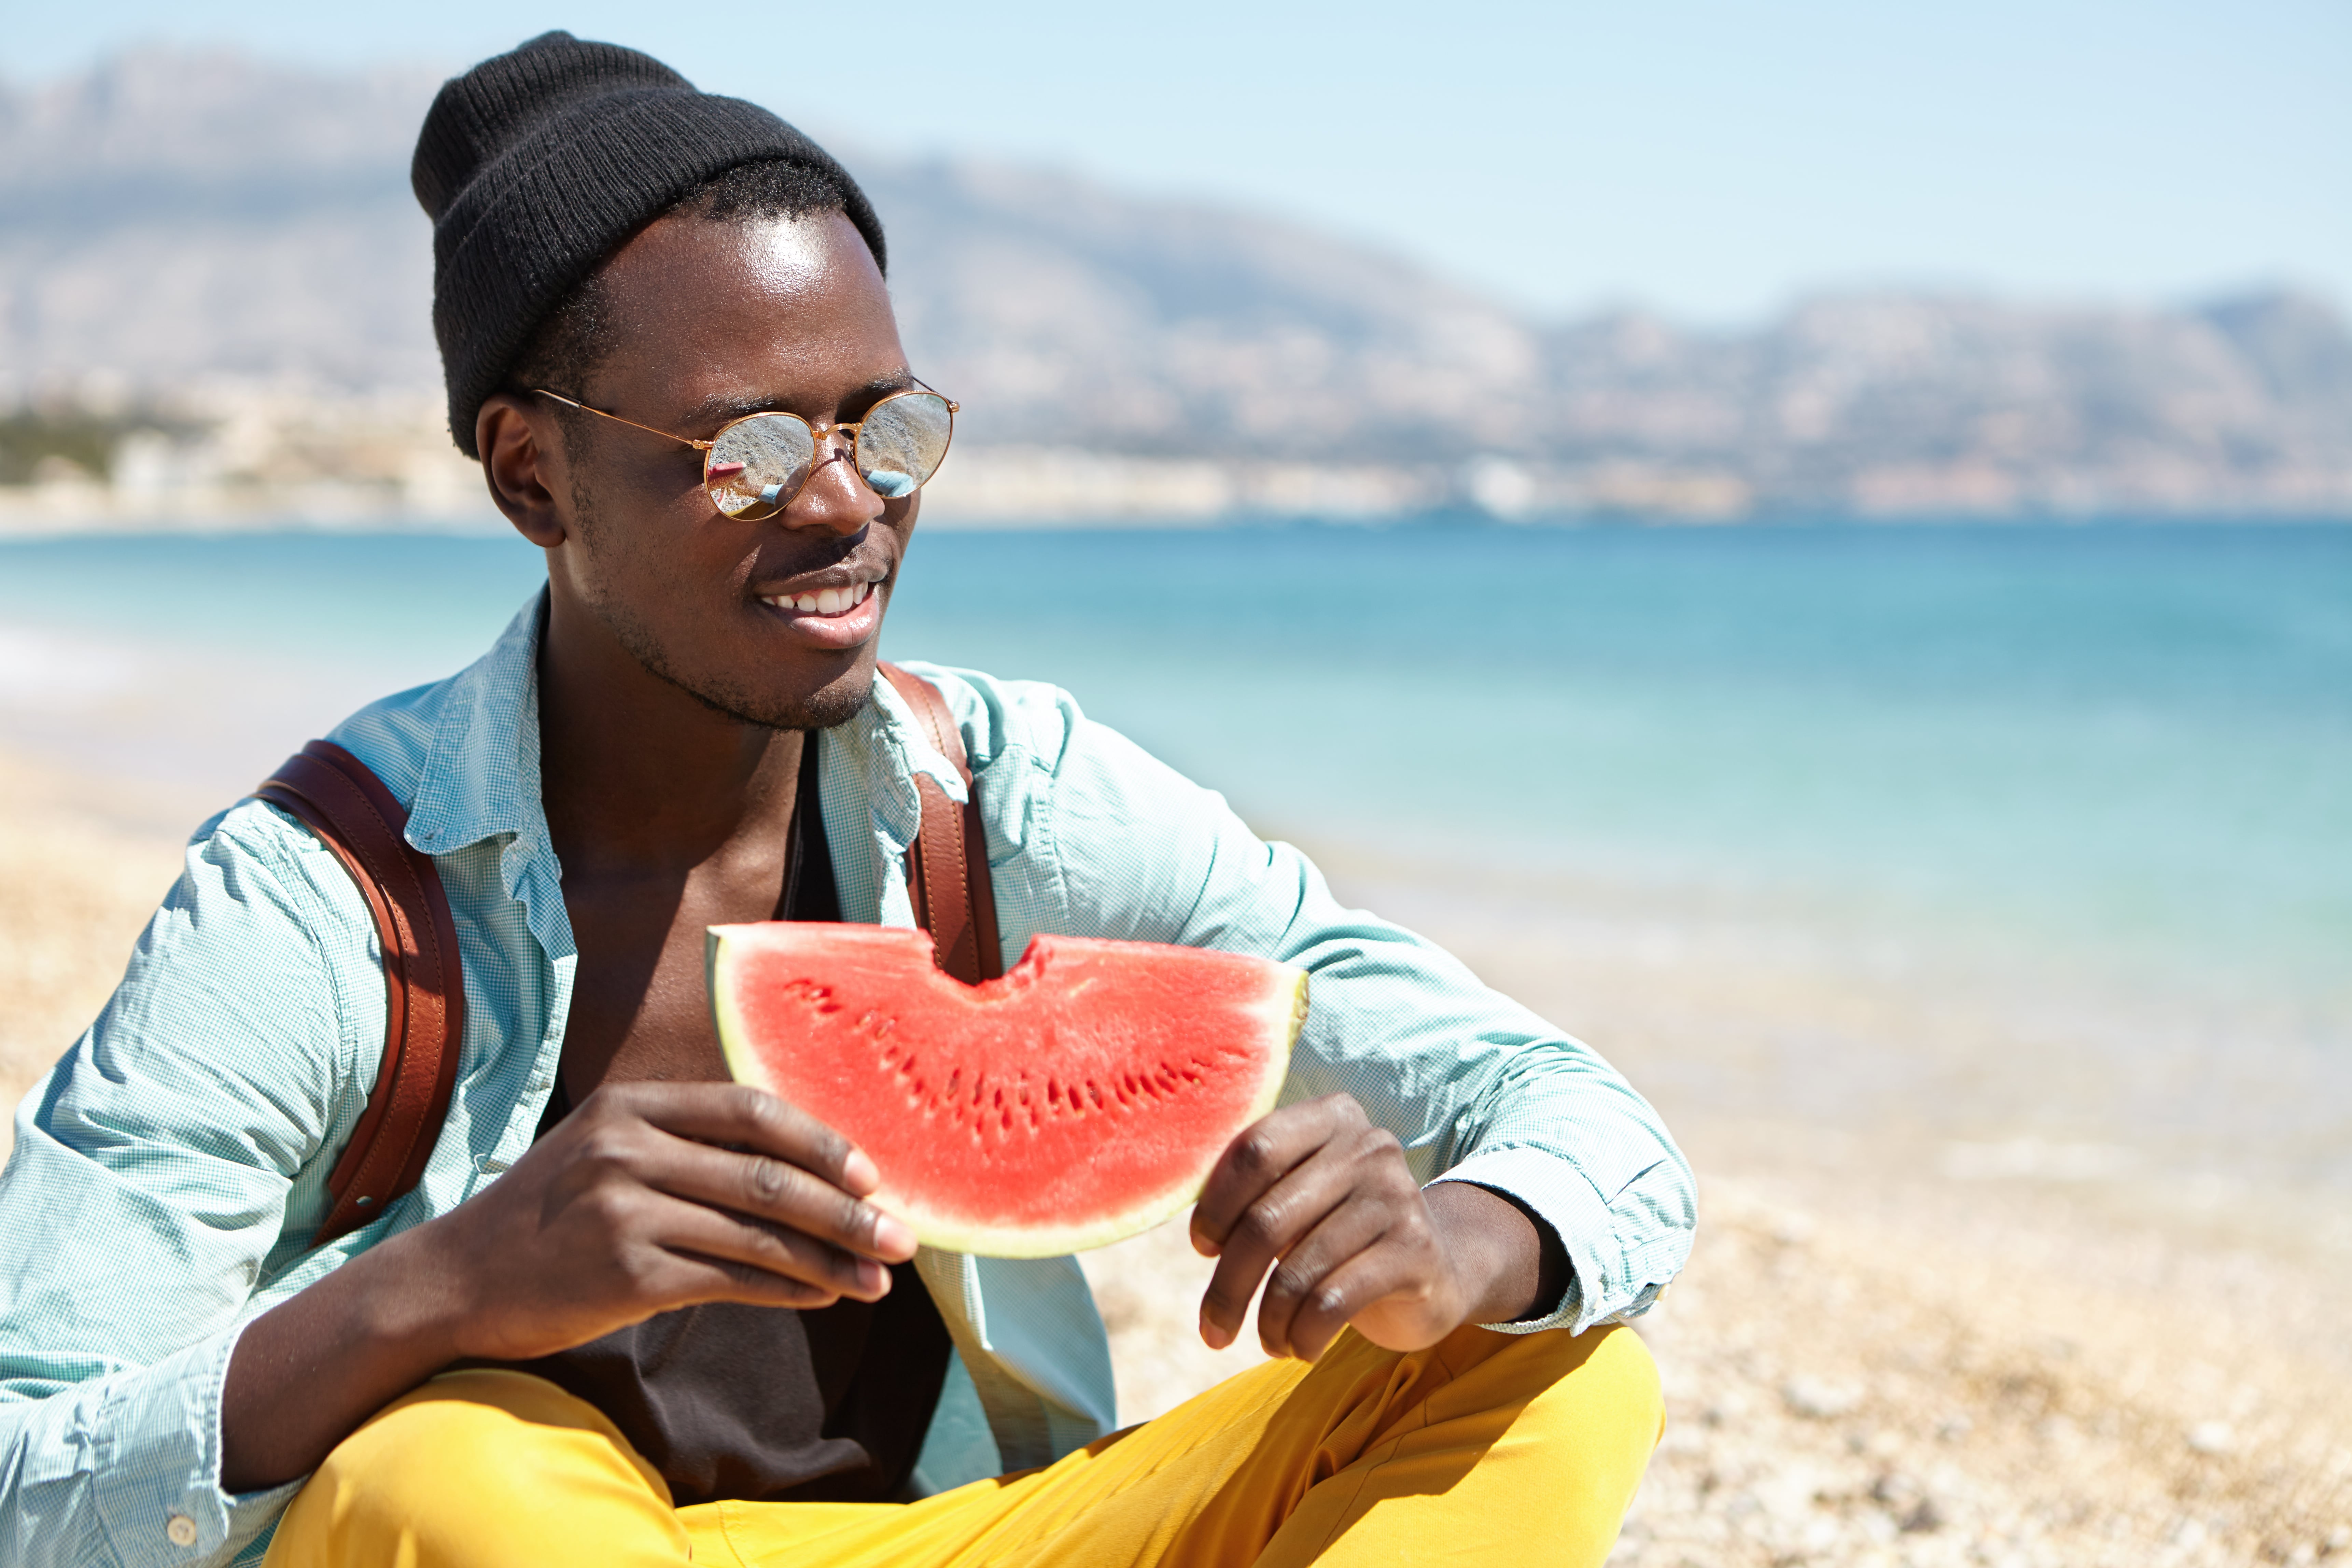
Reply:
x=1081, y=1097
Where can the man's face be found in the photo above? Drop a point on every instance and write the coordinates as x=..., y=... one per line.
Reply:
x=710, y=321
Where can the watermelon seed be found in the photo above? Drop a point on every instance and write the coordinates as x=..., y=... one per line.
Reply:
x=818, y=996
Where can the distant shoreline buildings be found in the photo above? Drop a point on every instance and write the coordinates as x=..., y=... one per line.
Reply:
x=267, y=459
x=258, y=459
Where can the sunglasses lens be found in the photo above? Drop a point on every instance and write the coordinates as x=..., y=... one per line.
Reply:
x=757, y=465
x=902, y=441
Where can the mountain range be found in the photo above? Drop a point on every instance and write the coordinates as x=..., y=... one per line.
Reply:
x=177, y=222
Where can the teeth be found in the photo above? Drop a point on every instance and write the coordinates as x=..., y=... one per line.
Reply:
x=825, y=601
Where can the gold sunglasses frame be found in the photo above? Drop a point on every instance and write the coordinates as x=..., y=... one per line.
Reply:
x=820, y=437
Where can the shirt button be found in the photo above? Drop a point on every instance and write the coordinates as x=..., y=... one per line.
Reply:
x=181, y=1529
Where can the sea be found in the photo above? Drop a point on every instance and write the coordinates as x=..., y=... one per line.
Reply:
x=2078, y=797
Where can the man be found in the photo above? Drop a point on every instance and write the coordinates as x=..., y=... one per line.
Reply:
x=634, y=1315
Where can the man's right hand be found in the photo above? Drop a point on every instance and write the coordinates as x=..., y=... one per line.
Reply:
x=650, y=1196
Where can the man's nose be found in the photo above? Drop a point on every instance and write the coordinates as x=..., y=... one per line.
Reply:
x=834, y=497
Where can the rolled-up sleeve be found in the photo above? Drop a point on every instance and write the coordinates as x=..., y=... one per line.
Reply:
x=160, y=1176
x=1478, y=1088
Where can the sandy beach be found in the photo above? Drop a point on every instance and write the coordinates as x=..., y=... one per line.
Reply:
x=1886, y=1350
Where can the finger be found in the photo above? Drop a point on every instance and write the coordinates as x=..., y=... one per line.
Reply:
x=1371, y=1277
x=731, y=1238
x=737, y=1115
x=1381, y=1205
x=1358, y=1224
x=1269, y=1149
x=1274, y=1223
x=682, y=1279
x=780, y=1194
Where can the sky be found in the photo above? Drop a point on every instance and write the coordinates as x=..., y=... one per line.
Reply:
x=1713, y=161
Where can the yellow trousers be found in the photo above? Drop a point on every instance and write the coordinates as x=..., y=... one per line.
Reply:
x=1486, y=1449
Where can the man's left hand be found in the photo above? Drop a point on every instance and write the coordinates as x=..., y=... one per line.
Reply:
x=1325, y=1200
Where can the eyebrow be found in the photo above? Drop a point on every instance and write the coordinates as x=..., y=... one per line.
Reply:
x=722, y=408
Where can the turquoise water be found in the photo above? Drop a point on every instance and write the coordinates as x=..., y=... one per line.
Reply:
x=2130, y=737
x=2122, y=750
x=2139, y=737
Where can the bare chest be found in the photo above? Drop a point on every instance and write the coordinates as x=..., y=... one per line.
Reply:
x=640, y=1002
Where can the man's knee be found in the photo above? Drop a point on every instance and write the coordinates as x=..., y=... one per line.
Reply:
x=1595, y=1410
x=1612, y=1369
x=472, y=1468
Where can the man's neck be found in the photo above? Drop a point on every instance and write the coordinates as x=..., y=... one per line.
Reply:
x=637, y=774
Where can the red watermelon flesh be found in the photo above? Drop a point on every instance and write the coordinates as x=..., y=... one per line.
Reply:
x=1081, y=1097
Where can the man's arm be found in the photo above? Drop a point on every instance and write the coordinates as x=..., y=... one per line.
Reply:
x=1468, y=1089
x=168, y=1173
x=147, y=1200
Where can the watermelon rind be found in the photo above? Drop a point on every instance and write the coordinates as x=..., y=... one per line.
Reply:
x=1283, y=1010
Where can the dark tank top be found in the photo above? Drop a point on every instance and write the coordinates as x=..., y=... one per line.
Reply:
x=765, y=1404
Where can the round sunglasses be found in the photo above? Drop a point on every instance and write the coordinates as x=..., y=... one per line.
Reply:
x=754, y=467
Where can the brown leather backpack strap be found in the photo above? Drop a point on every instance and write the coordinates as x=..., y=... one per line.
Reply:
x=337, y=796
x=947, y=866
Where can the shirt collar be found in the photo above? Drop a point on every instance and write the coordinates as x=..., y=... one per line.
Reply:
x=481, y=773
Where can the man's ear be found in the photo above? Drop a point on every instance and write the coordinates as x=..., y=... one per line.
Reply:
x=523, y=462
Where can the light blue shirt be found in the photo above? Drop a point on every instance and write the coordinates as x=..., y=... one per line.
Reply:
x=169, y=1172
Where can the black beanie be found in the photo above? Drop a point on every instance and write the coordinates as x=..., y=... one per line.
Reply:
x=539, y=163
